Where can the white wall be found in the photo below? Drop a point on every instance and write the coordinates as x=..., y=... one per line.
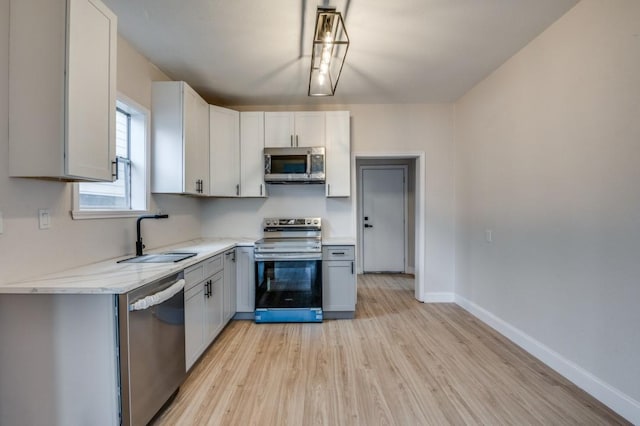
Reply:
x=27, y=251
x=548, y=157
x=375, y=129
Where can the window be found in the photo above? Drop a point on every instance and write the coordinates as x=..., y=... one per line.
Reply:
x=126, y=195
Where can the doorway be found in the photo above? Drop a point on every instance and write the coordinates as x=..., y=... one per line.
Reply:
x=415, y=224
x=383, y=207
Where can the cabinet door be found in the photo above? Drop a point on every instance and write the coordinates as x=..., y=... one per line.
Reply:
x=196, y=143
x=91, y=90
x=278, y=129
x=339, y=286
x=252, y=154
x=214, y=308
x=194, y=323
x=224, y=144
x=229, y=285
x=338, y=154
x=309, y=128
x=245, y=280
x=62, y=89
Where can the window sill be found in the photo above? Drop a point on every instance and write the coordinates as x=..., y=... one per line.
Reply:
x=106, y=214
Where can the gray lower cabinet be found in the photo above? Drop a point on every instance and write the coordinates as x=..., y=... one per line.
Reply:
x=245, y=279
x=229, y=284
x=338, y=281
x=204, y=304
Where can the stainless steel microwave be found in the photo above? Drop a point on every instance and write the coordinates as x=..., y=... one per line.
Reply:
x=294, y=165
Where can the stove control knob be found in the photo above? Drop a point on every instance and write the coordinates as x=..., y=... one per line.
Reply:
x=315, y=221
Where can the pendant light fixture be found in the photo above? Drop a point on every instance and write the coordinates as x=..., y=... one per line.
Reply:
x=330, y=44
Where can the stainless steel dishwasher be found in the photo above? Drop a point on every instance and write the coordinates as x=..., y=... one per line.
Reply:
x=152, y=358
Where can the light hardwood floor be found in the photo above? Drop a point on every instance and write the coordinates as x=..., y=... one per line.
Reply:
x=400, y=362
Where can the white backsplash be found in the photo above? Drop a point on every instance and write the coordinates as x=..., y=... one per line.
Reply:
x=243, y=216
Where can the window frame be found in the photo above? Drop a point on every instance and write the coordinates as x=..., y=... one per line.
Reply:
x=140, y=127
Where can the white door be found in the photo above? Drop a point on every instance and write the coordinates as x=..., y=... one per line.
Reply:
x=383, y=218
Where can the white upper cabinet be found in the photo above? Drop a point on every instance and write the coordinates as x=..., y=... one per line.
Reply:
x=180, y=138
x=251, y=154
x=62, y=89
x=310, y=128
x=292, y=129
x=224, y=145
x=338, y=155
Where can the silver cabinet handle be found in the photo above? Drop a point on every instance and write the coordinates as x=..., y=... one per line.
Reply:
x=291, y=136
x=115, y=163
x=296, y=140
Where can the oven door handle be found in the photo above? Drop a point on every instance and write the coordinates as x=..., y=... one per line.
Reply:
x=270, y=257
x=157, y=298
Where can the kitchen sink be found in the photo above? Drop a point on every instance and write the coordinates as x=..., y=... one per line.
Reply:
x=159, y=258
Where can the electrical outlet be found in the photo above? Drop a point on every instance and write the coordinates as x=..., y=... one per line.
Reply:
x=44, y=219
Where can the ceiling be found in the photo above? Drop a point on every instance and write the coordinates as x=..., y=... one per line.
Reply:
x=257, y=52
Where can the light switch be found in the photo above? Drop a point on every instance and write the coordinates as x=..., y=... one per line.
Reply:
x=44, y=219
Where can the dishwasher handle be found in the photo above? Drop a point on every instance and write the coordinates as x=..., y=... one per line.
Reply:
x=157, y=298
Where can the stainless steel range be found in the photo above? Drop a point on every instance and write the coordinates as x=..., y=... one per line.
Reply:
x=289, y=270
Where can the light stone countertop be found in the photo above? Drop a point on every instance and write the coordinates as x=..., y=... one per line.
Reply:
x=338, y=241
x=110, y=277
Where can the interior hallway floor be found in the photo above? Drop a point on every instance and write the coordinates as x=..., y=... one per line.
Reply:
x=399, y=362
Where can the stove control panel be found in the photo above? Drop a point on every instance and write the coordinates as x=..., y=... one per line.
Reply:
x=293, y=222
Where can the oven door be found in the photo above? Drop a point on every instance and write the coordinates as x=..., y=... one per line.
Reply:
x=287, y=283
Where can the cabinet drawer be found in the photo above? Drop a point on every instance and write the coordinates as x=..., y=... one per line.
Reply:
x=338, y=253
x=213, y=265
x=193, y=291
x=193, y=275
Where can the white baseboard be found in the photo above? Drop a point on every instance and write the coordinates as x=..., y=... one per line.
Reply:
x=441, y=297
x=619, y=402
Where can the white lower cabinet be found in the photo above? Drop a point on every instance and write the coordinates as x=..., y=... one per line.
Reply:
x=245, y=281
x=338, y=281
x=229, y=308
x=214, y=314
x=203, y=306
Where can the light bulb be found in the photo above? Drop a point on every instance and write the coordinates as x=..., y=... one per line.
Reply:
x=324, y=67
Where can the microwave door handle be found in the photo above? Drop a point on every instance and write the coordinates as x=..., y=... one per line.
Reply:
x=308, y=164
